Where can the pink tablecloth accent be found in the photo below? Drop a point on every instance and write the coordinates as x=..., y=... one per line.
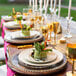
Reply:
x=2, y=28
x=9, y=71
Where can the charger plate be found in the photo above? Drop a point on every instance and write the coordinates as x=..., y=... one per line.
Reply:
x=19, y=35
x=14, y=65
x=7, y=18
x=35, y=36
x=53, y=58
x=15, y=24
x=25, y=57
x=11, y=25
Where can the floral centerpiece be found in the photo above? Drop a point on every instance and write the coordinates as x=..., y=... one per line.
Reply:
x=26, y=30
x=40, y=51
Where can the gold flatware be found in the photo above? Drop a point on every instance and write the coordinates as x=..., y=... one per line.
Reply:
x=24, y=46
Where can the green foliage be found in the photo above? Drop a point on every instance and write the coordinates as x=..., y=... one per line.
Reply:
x=27, y=28
x=41, y=47
x=19, y=18
x=3, y=1
x=66, y=2
x=64, y=13
x=47, y=50
x=5, y=9
x=38, y=47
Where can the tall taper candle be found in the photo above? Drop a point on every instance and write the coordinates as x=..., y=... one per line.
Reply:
x=30, y=2
x=69, y=9
x=41, y=6
x=46, y=6
x=55, y=2
x=51, y=3
x=44, y=3
x=33, y=4
x=36, y=3
x=59, y=9
x=47, y=3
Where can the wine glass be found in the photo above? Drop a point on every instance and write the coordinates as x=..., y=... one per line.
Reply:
x=68, y=34
x=44, y=30
x=26, y=13
x=40, y=21
x=50, y=29
x=55, y=29
x=53, y=14
x=71, y=46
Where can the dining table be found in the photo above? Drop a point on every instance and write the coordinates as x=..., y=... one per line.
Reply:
x=11, y=49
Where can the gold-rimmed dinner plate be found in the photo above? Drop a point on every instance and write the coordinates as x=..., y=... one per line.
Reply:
x=26, y=55
x=19, y=34
x=13, y=63
x=36, y=36
x=25, y=61
x=15, y=24
x=7, y=18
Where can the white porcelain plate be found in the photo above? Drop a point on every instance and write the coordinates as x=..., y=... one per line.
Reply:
x=26, y=62
x=19, y=35
x=51, y=56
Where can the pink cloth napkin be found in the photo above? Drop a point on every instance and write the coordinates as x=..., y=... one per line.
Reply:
x=9, y=71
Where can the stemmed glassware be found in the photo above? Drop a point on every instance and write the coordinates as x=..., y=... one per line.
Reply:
x=71, y=46
x=53, y=14
x=55, y=29
x=44, y=30
x=54, y=23
x=50, y=30
x=68, y=34
x=25, y=13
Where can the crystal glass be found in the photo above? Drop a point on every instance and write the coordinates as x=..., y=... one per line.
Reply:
x=50, y=30
x=53, y=17
x=38, y=18
x=68, y=34
x=55, y=29
x=26, y=13
x=71, y=46
x=44, y=30
x=53, y=14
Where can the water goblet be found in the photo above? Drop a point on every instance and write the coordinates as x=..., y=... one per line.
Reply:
x=68, y=34
x=71, y=46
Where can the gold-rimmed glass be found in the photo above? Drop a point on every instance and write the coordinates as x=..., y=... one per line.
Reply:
x=71, y=46
x=50, y=29
x=55, y=29
x=26, y=13
x=44, y=30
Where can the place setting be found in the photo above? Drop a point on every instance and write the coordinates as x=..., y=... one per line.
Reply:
x=36, y=41
x=24, y=37
x=35, y=62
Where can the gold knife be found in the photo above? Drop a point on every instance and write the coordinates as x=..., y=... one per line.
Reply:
x=24, y=46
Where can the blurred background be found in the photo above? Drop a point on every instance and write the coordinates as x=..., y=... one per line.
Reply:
x=7, y=5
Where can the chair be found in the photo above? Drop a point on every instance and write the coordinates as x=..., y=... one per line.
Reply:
x=3, y=70
x=2, y=54
x=1, y=41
